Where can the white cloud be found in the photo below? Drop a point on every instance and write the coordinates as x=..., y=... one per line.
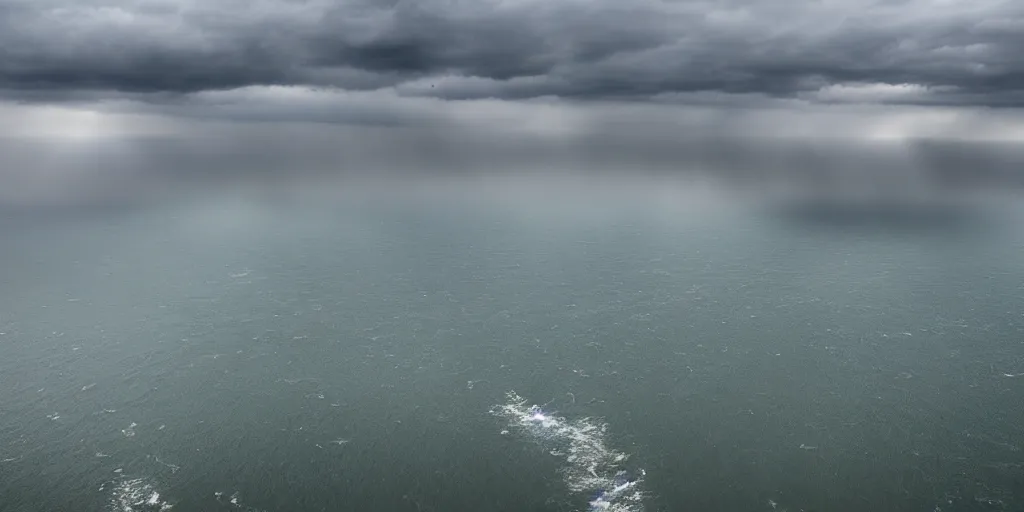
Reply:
x=869, y=92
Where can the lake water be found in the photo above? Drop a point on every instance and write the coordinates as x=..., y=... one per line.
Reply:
x=384, y=355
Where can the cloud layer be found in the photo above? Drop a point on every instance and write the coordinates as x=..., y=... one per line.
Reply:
x=875, y=51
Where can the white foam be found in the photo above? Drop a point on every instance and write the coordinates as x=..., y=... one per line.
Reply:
x=235, y=502
x=137, y=495
x=591, y=467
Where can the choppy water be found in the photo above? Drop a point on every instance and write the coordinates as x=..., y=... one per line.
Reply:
x=467, y=356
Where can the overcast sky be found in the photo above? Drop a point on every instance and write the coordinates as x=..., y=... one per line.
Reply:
x=516, y=80
x=907, y=51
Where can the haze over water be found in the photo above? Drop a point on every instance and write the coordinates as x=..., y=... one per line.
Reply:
x=381, y=352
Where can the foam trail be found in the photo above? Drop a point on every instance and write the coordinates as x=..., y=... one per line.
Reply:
x=136, y=495
x=591, y=467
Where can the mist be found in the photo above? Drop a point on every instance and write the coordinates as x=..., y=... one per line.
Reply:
x=818, y=153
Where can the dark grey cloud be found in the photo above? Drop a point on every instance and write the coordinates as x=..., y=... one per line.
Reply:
x=909, y=51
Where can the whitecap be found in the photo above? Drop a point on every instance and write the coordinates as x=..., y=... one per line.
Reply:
x=235, y=502
x=137, y=495
x=590, y=466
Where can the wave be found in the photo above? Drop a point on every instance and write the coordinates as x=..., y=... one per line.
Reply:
x=591, y=467
x=136, y=495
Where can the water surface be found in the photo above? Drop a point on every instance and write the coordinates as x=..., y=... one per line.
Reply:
x=230, y=355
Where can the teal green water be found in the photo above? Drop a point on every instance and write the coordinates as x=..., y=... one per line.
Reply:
x=234, y=356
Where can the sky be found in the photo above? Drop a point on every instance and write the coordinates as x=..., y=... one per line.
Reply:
x=100, y=96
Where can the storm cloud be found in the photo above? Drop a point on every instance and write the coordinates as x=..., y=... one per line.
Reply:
x=103, y=101
x=875, y=51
